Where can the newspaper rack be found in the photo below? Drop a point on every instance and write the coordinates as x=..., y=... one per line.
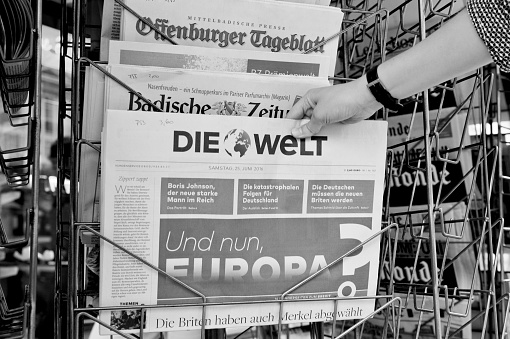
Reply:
x=282, y=299
x=18, y=71
x=17, y=63
x=16, y=162
x=438, y=308
x=20, y=92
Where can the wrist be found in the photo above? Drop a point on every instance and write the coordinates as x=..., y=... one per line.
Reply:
x=368, y=100
x=380, y=92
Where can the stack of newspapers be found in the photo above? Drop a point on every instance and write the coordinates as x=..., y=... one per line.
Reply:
x=251, y=58
x=220, y=57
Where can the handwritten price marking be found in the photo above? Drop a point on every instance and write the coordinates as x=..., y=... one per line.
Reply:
x=166, y=122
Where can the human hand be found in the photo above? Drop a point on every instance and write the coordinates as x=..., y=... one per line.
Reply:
x=345, y=103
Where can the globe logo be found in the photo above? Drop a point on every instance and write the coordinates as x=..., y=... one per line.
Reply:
x=236, y=143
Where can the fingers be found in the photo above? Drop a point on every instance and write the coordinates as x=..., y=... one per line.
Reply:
x=304, y=108
x=298, y=111
x=307, y=129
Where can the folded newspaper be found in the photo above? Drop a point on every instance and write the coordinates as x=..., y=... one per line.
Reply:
x=238, y=24
x=215, y=59
x=238, y=214
x=200, y=92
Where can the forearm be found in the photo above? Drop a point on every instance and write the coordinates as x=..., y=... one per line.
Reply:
x=455, y=49
x=452, y=51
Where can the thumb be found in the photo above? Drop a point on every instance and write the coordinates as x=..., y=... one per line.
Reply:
x=307, y=128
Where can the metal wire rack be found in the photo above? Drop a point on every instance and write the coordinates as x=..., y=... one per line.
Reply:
x=20, y=76
x=443, y=244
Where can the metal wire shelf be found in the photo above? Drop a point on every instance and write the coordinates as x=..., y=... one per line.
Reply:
x=449, y=233
x=20, y=90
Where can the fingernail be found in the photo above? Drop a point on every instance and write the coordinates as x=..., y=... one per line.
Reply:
x=297, y=133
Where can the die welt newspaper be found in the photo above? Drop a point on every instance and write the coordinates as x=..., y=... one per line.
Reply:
x=238, y=222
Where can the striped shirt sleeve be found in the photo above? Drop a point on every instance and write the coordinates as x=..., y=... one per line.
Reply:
x=491, y=19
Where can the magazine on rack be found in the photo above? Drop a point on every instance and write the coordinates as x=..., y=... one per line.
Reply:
x=239, y=212
x=271, y=26
x=185, y=91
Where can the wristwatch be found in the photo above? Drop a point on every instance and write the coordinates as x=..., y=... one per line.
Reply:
x=380, y=92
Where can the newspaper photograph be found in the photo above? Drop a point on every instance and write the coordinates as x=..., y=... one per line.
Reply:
x=238, y=214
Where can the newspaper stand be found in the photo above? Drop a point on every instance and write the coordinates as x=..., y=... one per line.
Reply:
x=21, y=98
x=371, y=32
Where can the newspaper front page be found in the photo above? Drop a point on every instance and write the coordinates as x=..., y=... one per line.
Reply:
x=271, y=26
x=241, y=214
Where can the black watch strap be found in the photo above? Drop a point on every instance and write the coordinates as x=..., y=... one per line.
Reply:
x=380, y=93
